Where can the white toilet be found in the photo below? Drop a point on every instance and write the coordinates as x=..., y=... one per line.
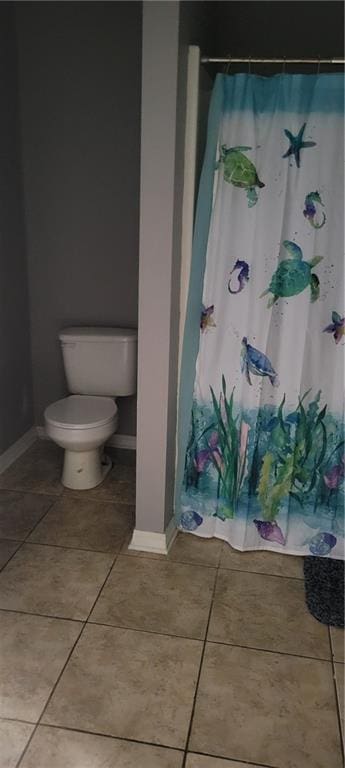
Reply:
x=100, y=365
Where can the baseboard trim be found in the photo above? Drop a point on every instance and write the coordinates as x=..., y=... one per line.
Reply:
x=128, y=442
x=123, y=441
x=149, y=541
x=17, y=449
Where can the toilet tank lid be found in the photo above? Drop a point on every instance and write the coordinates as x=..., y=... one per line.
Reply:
x=89, y=335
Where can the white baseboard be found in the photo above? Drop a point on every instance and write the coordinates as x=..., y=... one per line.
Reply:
x=116, y=441
x=14, y=451
x=123, y=441
x=148, y=541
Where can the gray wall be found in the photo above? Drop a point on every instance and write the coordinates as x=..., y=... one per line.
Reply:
x=267, y=28
x=79, y=75
x=167, y=30
x=16, y=415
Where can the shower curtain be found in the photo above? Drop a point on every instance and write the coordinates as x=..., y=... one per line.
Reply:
x=260, y=435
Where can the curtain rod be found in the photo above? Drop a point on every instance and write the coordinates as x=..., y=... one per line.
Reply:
x=254, y=60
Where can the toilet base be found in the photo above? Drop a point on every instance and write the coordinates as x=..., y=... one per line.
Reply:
x=85, y=469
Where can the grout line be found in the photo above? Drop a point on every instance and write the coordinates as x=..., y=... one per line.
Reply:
x=233, y=760
x=41, y=615
x=73, y=549
x=146, y=631
x=337, y=702
x=40, y=520
x=156, y=632
x=111, y=736
x=23, y=541
x=16, y=720
x=199, y=674
x=260, y=573
x=74, y=494
x=49, y=697
x=144, y=556
x=65, y=665
x=269, y=650
x=13, y=553
x=33, y=491
x=165, y=559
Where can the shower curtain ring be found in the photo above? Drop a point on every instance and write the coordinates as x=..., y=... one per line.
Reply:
x=249, y=65
x=284, y=66
x=227, y=66
x=318, y=65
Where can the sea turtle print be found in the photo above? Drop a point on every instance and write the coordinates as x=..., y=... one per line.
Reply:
x=293, y=275
x=240, y=171
x=255, y=362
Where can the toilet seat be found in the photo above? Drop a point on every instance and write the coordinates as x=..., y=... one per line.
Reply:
x=81, y=412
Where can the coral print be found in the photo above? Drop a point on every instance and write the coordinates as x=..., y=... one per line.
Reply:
x=262, y=465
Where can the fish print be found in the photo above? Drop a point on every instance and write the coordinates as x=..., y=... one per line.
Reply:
x=337, y=327
x=255, y=362
x=322, y=543
x=190, y=520
x=207, y=320
x=270, y=531
x=242, y=277
x=335, y=476
x=296, y=144
x=309, y=211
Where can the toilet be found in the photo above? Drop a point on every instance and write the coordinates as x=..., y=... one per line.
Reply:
x=100, y=365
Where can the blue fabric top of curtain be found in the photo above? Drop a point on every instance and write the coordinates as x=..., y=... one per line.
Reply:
x=283, y=93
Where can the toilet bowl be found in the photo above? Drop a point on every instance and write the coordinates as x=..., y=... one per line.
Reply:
x=81, y=424
x=100, y=365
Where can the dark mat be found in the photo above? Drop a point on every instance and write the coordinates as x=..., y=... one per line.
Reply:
x=324, y=589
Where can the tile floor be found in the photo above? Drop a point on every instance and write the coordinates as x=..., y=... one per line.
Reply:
x=206, y=658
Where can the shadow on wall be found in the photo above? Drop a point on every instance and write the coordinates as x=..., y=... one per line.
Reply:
x=79, y=85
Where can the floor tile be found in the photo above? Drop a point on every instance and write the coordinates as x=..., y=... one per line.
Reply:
x=33, y=650
x=7, y=548
x=173, y=598
x=13, y=738
x=338, y=641
x=266, y=708
x=261, y=562
x=58, y=748
x=204, y=761
x=193, y=549
x=20, y=512
x=134, y=685
x=185, y=549
x=85, y=523
x=340, y=683
x=53, y=581
x=124, y=456
x=265, y=612
x=124, y=472
x=38, y=470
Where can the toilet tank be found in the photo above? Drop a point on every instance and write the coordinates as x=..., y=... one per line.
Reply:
x=100, y=361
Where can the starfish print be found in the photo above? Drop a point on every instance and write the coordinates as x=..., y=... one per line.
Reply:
x=296, y=144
